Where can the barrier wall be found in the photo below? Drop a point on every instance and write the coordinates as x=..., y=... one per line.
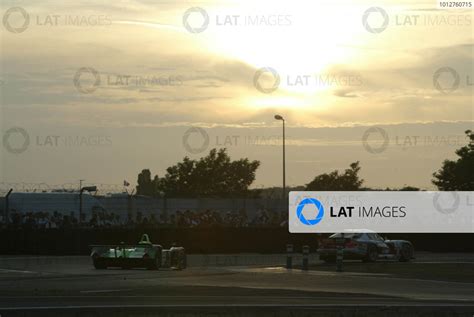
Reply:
x=199, y=240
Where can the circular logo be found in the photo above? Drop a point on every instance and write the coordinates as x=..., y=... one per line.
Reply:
x=6, y=20
x=77, y=80
x=444, y=204
x=16, y=149
x=439, y=86
x=258, y=85
x=365, y=20
x=310, y=201
x=192, y=29
x=371, y=149
x=189, y=147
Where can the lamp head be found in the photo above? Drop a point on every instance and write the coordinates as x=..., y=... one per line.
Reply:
x=89, y=188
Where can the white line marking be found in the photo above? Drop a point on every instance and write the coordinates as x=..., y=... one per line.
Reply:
x=17, y=271
x=104, y=291
x=240, y=305
x=426, y=262
x=203, y=296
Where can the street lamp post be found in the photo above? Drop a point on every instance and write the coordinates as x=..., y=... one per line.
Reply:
x=278, y=117
x=7, y=207
x=81, y=190
x=89, y=189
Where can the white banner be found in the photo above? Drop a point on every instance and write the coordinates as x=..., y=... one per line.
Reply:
x=381, y=211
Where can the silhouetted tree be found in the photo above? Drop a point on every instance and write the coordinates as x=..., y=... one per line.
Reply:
x=339, y=182
x=214, y=175
x=459, y=174
x=409, y=189
x=146, y=186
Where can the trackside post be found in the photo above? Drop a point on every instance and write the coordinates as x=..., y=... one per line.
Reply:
x=289, y=256
x=340, y=253
x=305, y=257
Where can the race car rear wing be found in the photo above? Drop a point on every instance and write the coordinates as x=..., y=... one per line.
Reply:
x=124, y=245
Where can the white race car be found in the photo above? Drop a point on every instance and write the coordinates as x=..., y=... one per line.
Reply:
x=365, y=245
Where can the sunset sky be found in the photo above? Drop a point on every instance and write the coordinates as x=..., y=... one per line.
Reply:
x=338, y=78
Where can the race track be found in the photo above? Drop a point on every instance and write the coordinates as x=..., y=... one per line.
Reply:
x=241, y=282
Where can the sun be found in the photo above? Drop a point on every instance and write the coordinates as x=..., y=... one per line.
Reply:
x=305, y=41
x=294, y=45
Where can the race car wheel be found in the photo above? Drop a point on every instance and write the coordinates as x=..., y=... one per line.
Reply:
x=372, y=254
x=155, y=265
x=184, y=261
x=96, y=262
x=99, y=266
x=406, y=253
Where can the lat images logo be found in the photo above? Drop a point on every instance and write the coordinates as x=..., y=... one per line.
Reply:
x=314, y=202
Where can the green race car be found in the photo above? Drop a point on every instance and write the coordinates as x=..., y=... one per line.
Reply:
x=144, y=255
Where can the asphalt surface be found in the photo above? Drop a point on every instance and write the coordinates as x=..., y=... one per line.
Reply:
x=46, y=284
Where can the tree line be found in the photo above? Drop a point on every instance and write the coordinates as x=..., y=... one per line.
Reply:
x=218, y=176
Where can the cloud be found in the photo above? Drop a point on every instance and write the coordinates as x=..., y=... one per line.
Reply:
x=345, y=93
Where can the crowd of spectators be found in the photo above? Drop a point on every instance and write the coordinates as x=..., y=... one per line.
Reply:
x=182, y=219
x=39, y=220
x=239, y=219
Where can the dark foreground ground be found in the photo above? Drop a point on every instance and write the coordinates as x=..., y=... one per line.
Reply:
x=239, y=285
